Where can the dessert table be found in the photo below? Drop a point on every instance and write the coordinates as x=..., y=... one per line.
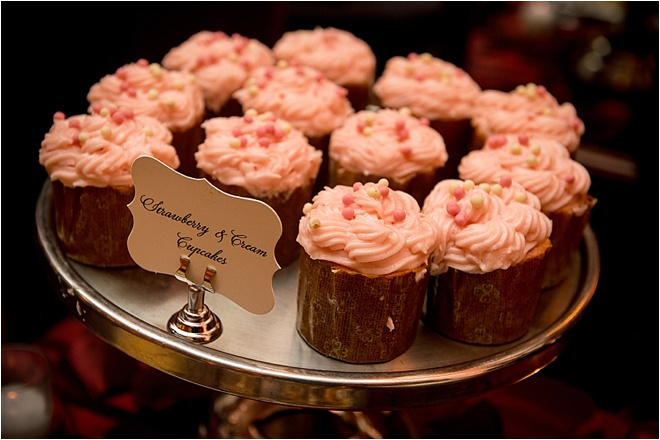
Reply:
x=262, y=357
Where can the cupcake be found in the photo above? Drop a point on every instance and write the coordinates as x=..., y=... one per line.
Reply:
x=363, y=271
x=528, y=109
x=303, y=96
x=545, y=168
x=262, y=157
x=389, y=144
x=487, y=269
x=434, y=89
x=172, y=97
x=341, y=56
x=88, y=159
x=221, y=64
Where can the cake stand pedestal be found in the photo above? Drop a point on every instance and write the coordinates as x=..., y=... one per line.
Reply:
x=262, y=357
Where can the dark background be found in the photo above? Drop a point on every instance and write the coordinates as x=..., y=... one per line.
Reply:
x=56, y=51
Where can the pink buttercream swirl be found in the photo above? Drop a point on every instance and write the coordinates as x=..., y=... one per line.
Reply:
x=528, y=109
x=220, y=62
x=543, y=166
x=339, y=54
x=173, y=97
x=484, y=227
x=388, y=143
x=259, y=152
x=368, y=228
x=299, y=94
x=99, y=149
x=428, y=86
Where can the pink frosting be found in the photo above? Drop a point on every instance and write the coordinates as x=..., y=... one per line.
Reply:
x=528, y=109
x=99, y=149
x=542, y=166
x=484, y=227
x=175, y=98
x=258, y=152
x=368, y=228
x=220, y=62
x=388, y=143
x=339, y=54
x=302, y=95
x=429, y=86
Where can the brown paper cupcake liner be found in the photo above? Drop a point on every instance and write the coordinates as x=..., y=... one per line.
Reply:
x=93, y=224
x=568, y=227
x=491, y=308
x=357, y=318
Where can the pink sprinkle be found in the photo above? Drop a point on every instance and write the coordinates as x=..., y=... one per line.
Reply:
x=505, y=181
x=399, y=215
x=461, y=218
x=74, y=123
x=96, y=108
x=541, y=90
x=523, y=139
x=348, y=199
x=496, y=141
x=121, y=73
x=123, y=86
x=264, y=142
x=425, y=121
x=262, y=130
x=59, y=116
x=413, y=56
x=406, y=150
x=118, y=117
x=400, y=124
x=360, y=126
x=236, y=131
x=459, y=73
x=278, y=132
x=357, y=186
x=243, y=140
x=453, y=208
x=269, y=72
x=128, y=113
x=341, y=92
x=384, y=190
x=248, y=119
x=459, y=192
x=262, y=83
x=404, y=134
x=143, y=63
x=300, y=71
x=419, y=77
x=132, y=92
x=246, y=65
x=576, y=123
x=348, y=213
x=570, y=178
x=75, y=138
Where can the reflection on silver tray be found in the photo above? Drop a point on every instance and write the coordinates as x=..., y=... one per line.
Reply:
x=262, y=357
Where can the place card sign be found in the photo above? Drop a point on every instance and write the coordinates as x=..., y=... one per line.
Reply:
x=177, y=216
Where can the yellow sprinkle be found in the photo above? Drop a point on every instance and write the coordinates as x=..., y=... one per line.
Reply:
x=521, y=197
x=286, y=127
x=314, y=223
x=532, y=160
x=477, y=200
x=406, y=111
x=496, y=189
x=178, y=85
x=234, y=142
x=170, y=103
x=282, y=64
x=384, y=182
x=373, y=192
x=368, y=131
x=547, y=111
x=152, y=94
x=369, y=118
x=307, y=207
x=484, y=187
x=148, y=131
x=104, y=111
x=251, y=112
x=535, y=149
x=83, y=137
x=106, y=131
x=453, y=186
x=251, y=81
x=156, y=70
x=253, y=90
x=516, y=148
x=426, y=57
x=468, y=185
x=232, y=57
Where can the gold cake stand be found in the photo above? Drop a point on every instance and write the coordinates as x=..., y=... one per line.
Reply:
x=262, y=357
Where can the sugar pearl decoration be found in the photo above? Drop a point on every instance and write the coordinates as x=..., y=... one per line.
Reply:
x=477, y=200
x=399, y=215
x=307, y=207
x=314, y=223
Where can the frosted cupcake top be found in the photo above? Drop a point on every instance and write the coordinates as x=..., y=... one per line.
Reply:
x=174, y=98
x=542, y=166
x=430, y=87
x=220, y=62
x=387, y=142
x=299, y=94
x=259, y=152
x=338, y=54
x=368, y=228
x=98, y=149
x=484, y=227
x=528, y=109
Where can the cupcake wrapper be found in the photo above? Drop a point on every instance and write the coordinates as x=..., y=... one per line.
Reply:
x=357, y=318
x=93, y=224
x=491, y=308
